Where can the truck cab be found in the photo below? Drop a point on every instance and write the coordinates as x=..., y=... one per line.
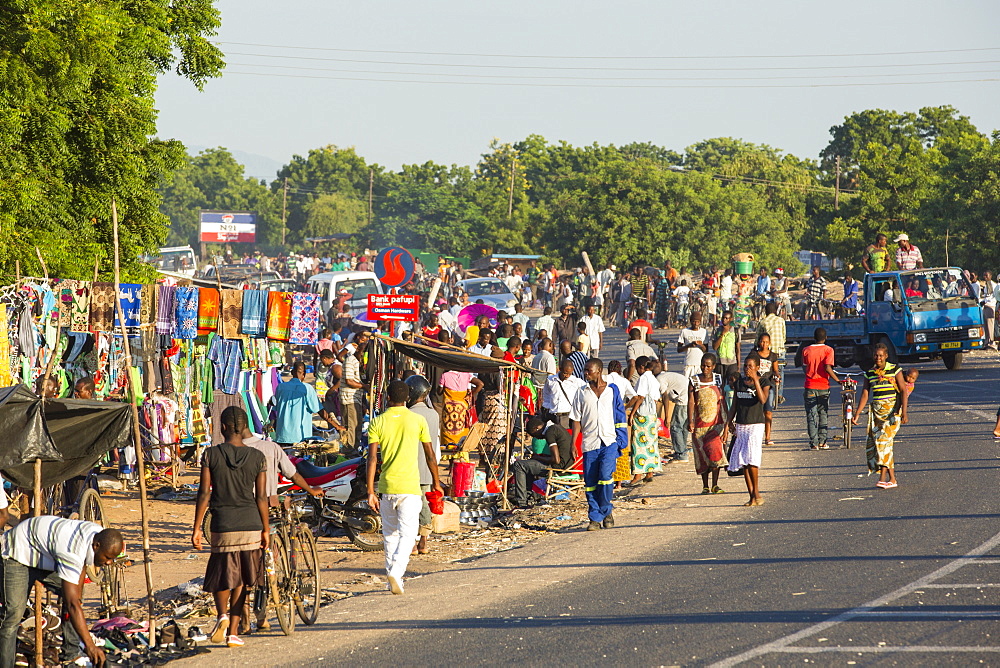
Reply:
x=920, y=315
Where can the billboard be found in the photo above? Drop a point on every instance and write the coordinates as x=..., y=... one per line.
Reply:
x=228, y=227
x=393, y=307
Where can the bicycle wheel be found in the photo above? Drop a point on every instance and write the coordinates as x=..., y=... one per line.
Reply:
x=848, y=428
x=91, y=508
x=308, y=591
x=54, y=502
x=111, y=583
x=280, y=581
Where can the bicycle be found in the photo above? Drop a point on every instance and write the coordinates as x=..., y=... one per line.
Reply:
x=291, y=571
x=848, y=392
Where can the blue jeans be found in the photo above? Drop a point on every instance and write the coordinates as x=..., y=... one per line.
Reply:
x=817, y=409
x=16, y=583
x=679, y=431
x=598, y=470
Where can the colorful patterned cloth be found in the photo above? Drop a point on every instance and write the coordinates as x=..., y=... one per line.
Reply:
x=130, y=295
x=64, y=295
x=208, y=310
x=231, y=313
x=227, y=358
x=147, y=305
x=305, y=319
x=80, y=308
x=279, y=314
x=6, y=379
x=883, y=423
x=186, y=313
x=255, y=313
x=645, y=444
x=102, y=307
x=706, y=439
x=165, y=310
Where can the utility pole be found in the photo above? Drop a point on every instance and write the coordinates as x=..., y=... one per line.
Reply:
x=284, y=211
x=371, y=189
x=836, y=188
x=510, y=203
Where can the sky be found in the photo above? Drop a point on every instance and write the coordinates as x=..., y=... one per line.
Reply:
x=671, y=73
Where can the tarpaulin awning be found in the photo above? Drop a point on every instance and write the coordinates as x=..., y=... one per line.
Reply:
x=450, y=358
x=68, y=435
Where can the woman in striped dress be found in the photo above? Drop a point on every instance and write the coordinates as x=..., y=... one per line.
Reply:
x=885, y=385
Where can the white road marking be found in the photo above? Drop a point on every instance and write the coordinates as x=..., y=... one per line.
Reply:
x=782, y=644
x=959, y=586
x=978, y=413
x=887, y=648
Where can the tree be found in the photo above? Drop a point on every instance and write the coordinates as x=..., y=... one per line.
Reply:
x=334, y=214
x=77, y=117
x=324, y=171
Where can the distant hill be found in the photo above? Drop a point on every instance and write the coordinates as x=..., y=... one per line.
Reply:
x=257, y=166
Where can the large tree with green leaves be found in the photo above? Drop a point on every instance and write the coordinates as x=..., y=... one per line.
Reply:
x=77, y=117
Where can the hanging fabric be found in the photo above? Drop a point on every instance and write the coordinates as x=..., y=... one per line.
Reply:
x=232, y=313
x=6, y=379
x=147, y=305
x=304, y=328
x=80, y=308
x=186, y=313
x=255, y=313
x=165, y=310
x=208, y=310
x=64, y=295
x=102, y=307
x=129, y=294
x=279, y=313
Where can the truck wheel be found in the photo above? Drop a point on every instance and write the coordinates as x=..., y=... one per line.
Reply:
x=864, y=357
x=953, y=361
x=844, y=361
x=893, y=357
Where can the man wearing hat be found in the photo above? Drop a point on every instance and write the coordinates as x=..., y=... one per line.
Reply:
x=908, y=256
x=779, y=288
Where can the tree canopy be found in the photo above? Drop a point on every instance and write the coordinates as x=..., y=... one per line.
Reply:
x=77, y=118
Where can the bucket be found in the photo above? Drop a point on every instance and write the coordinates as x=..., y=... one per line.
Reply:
x=462, y=476
x=744, y=268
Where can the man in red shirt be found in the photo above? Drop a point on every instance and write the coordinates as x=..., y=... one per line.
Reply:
x=817, y=362
x=641, y=324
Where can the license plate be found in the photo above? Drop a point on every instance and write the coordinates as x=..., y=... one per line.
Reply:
x=953, y=344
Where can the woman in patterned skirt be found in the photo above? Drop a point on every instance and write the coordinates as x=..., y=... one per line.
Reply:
x=459, y=390
x=705, y=422
x=645, y=427
x=885, y=385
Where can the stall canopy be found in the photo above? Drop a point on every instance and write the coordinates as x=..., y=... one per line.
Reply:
x=451, y=358
x=68, y=435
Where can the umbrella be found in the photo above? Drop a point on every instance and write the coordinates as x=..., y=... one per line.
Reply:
x=363, y=320
x=468, y=315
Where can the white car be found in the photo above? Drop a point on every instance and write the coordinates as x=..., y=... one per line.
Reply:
x=492, y=291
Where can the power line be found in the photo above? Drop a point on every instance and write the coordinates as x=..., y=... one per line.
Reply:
x=555, y=57
x=633, y=86
x=609, y=69
x=614, y=78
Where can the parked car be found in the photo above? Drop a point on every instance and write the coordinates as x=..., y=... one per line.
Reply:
x=355, y=286
x=492, y=291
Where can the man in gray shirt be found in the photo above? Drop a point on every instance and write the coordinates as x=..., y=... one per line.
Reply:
x=419, y=389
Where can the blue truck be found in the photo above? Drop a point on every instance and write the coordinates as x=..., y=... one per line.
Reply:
x=920, y=315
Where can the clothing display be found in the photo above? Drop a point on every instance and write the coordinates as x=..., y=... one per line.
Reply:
x=279, y=313
x=304, y=328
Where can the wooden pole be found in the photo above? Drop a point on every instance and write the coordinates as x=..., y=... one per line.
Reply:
x=45, y=270
x=17, y=270
x=947, y=235
x=139, y=459
x=510, y=202
x=39, y=630
x=97, y=262
x=836, y=188
x=284, y=212
x=371, y=192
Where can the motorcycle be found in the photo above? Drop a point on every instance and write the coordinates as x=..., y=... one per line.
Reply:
x=344, y=503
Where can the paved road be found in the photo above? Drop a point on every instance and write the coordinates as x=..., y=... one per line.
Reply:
x=830, y=571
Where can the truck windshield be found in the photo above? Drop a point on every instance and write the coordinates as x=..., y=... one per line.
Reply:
x=934, y=284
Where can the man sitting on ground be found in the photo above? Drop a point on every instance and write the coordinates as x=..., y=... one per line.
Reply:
x=557, y=453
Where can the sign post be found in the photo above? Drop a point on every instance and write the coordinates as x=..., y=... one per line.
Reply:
x=398, y=308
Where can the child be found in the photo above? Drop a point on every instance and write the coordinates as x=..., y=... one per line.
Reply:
x=582, y=340
x=325, y=342
x=909, y=381
x=691, y=342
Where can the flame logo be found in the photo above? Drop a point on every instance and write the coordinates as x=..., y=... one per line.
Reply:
x=393, y=272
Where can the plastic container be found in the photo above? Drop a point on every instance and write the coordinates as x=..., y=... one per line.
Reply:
x=462, y=476
x=435, y=500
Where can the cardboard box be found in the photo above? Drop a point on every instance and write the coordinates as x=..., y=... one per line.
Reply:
x=449, y=521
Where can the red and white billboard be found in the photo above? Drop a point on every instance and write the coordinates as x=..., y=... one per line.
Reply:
x=394, y=307
x=228, y=227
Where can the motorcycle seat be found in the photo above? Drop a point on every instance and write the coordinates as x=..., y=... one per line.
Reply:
x=320, y=474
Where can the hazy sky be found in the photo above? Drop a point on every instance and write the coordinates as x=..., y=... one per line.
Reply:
x=672, y=73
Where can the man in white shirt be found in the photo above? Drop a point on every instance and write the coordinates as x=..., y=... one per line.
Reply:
x=682, y=293
x=691, y=342
x=546, y=322
x=605, y=277
x=544, y=362
x=521, y=318
x=674, y=388
x=55, y=552
x=599, y=414
x=595, y=329
x=726, y=289
x=446, y=320
x=558, y=393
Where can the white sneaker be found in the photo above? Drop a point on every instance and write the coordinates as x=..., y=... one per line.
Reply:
x=395, y=585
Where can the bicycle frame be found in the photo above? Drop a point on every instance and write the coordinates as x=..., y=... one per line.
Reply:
x=848, y=392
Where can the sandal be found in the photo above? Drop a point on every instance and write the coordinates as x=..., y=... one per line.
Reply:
x=769, y=442
x=220, y=630
x=706, y=490
x=718, y=490
x=881, y=484
x=890, y=485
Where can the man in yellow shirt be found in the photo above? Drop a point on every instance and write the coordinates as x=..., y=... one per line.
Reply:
x=400, y=434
